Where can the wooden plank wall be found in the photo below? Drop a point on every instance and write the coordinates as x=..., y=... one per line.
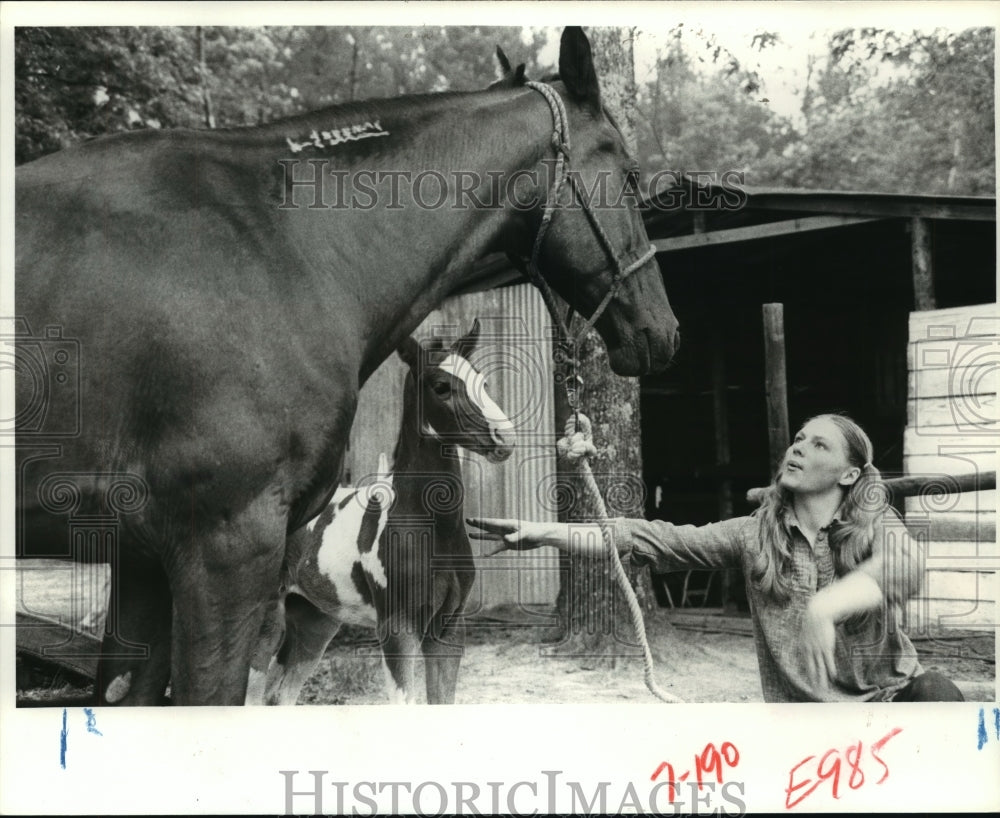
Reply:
x=514, y=354
x=953, y=427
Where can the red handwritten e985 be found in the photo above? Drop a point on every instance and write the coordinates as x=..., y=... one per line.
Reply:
x=837, y=767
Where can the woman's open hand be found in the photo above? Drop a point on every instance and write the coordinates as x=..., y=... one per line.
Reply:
x=524, y=535
x=519, y=535
x=819, y=638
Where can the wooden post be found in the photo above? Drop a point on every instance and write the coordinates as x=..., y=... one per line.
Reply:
x=775, y=385
x=720, y=415
x=923, y=265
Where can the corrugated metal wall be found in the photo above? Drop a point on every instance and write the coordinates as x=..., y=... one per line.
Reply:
x=514, y=355
x=953, y=428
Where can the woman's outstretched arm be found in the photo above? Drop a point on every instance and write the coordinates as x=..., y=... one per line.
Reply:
x=661, y=545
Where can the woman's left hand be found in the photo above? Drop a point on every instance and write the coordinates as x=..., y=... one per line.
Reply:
x=819, y=637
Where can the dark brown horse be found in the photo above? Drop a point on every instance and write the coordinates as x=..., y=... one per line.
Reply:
x=200, y=308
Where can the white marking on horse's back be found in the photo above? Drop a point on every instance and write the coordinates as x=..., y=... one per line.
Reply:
x=475, y=387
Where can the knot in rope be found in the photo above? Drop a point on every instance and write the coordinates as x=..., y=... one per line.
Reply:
x=559, y=144
x=577, y=442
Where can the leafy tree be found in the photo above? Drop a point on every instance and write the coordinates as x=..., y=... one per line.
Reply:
x=928, y=128
x=882, y=110
x=74, y=83
x=698, y=120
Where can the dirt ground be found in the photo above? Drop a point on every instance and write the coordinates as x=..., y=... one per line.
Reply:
x=700, y=657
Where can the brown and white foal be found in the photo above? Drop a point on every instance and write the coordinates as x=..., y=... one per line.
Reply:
x=394, y=552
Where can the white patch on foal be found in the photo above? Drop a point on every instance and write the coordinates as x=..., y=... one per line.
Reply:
x=338, y=552
x=475, y=387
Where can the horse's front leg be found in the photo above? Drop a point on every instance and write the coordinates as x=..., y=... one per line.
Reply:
x=223, y=582
x=139, y=619
x=272, y=633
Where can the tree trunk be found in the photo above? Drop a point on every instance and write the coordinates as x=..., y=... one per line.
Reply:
x=596, y=624
x=206, y=94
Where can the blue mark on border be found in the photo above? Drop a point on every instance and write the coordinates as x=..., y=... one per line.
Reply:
x=981, y=735
x=92, y=722
x=62, y=741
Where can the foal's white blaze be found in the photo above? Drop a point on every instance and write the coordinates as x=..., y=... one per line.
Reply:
x=475, y=387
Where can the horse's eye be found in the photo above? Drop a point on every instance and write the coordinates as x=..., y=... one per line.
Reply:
x=441, y=388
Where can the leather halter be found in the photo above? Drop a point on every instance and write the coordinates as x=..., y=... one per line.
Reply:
x=566, y=344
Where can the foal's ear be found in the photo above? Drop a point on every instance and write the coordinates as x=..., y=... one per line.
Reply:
x=409, y=351
x=467, y=343
x=508, y=78
x=576, y=67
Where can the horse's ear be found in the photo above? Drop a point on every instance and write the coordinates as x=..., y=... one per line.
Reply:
x=409, y=351
x=576, y=67
x=504, y=63
x=467, y=343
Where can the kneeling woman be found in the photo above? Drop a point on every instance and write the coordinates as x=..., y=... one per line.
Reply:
x=828, y=565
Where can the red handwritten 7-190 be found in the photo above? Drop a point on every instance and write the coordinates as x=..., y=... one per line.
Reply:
x=838, y=766
x=710, y=761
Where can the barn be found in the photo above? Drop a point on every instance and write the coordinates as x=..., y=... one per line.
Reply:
x=889, y=315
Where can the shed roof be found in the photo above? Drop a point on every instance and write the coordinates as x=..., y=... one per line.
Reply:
x=692, y=213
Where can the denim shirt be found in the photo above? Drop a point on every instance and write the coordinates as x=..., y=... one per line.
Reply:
x=874, y=657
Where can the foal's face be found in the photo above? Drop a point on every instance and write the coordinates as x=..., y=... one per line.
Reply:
x=456, y=406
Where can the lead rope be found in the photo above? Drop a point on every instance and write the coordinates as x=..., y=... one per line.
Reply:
x=576, y=448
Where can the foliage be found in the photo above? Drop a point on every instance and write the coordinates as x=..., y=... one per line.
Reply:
x=74, y=83
x=883, y=111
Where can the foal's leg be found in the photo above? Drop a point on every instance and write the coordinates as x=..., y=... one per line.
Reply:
x=222, y=584
x=442, y=657
x=139, y=617
x=444, y=641
x=400, y=638
x=308, y=631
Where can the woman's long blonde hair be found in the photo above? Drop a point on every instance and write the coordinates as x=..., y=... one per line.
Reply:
x=851, y=542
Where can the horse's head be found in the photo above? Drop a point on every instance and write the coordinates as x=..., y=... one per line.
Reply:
x=452, y=397
x=583, y=255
